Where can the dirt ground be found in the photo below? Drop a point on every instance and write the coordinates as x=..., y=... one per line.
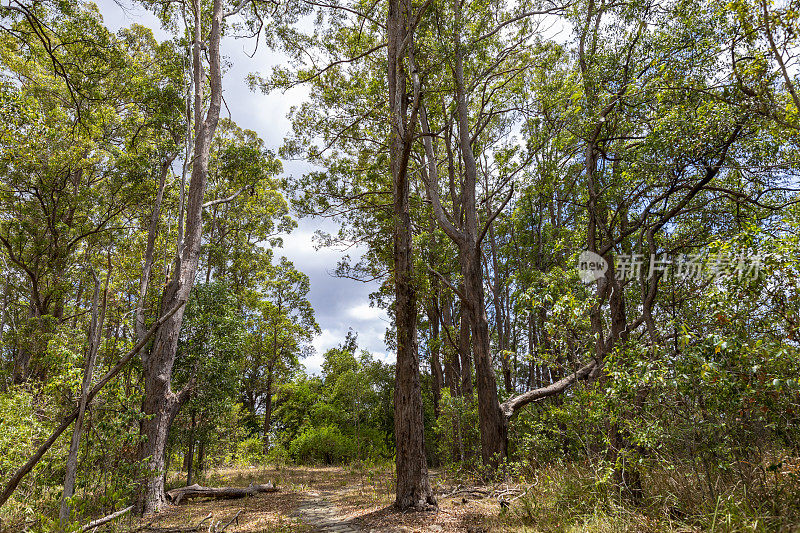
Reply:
x=334, y=499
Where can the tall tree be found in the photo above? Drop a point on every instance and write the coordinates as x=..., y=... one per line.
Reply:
x=413, y=486
x=160, y=404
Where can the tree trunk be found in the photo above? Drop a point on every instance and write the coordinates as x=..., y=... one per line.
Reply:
x=532, y=375
x=499, y=314
x=268, y=409
x=22, y=359
x=452, y=366
x=494, y=430
x=189, y=461
x=160, y=404
x=176, y=496
x=492, y=422
x=201, y=455
x=413, y=486
x=465, y=351
x=91, y=357
x=436, y=365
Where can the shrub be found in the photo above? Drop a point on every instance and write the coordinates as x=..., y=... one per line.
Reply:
x=324, y=444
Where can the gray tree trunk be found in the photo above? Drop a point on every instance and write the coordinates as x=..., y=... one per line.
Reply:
x=268, y=408
x=492, y=422
x=91, y=357
x=160, y=404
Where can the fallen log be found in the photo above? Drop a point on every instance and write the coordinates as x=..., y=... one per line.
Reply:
x=176, y=496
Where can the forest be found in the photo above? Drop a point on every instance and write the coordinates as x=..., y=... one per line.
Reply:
x=581, y=217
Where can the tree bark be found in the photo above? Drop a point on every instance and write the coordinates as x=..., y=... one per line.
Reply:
x=494, y=430
x=500, y=321
x=268, y=408
x=436, y=364
x=413, y=486
x=22, y=359
x=190, y=452
x=465, y=351
x=160, y=404
x=452, y=366
x=201, y=454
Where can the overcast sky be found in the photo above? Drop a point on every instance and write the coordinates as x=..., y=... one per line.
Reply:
x=340, y=304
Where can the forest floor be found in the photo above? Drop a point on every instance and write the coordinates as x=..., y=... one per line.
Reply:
x=358, y=499
x=329, y=499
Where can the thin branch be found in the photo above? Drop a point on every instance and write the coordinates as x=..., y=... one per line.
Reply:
x=225, y=200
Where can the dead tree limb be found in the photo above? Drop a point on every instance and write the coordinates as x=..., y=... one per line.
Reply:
x=511, y=406
x=100, y=521
x=176, y=496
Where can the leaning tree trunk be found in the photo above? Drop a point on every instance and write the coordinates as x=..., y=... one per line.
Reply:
x=413, y=486
x=160, y=403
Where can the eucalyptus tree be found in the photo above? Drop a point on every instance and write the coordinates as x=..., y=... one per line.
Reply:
x=660, y=138
x=160, y=404
x=75, y=172
x=365, y=165
x=280, y=325
x=65, y=180
x=203, y=24
x=484, y=79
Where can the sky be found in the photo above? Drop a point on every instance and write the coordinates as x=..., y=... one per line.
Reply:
x=340, y=304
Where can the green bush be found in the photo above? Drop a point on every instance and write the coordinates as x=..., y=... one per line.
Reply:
x=457, y=430
x=325, y=444
x=250, y=451
x=278, y=455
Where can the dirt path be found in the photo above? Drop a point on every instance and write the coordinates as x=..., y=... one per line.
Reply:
x=320, y=512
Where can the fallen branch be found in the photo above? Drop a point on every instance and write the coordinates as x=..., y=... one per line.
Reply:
x=105, y=519
x=176, y=496
x=472, y=491
x=231, y=521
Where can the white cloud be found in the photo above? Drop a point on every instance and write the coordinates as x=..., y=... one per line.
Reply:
x=321, y=343
x=365, y=312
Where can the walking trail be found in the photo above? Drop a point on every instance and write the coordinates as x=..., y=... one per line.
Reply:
x=319, y=511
